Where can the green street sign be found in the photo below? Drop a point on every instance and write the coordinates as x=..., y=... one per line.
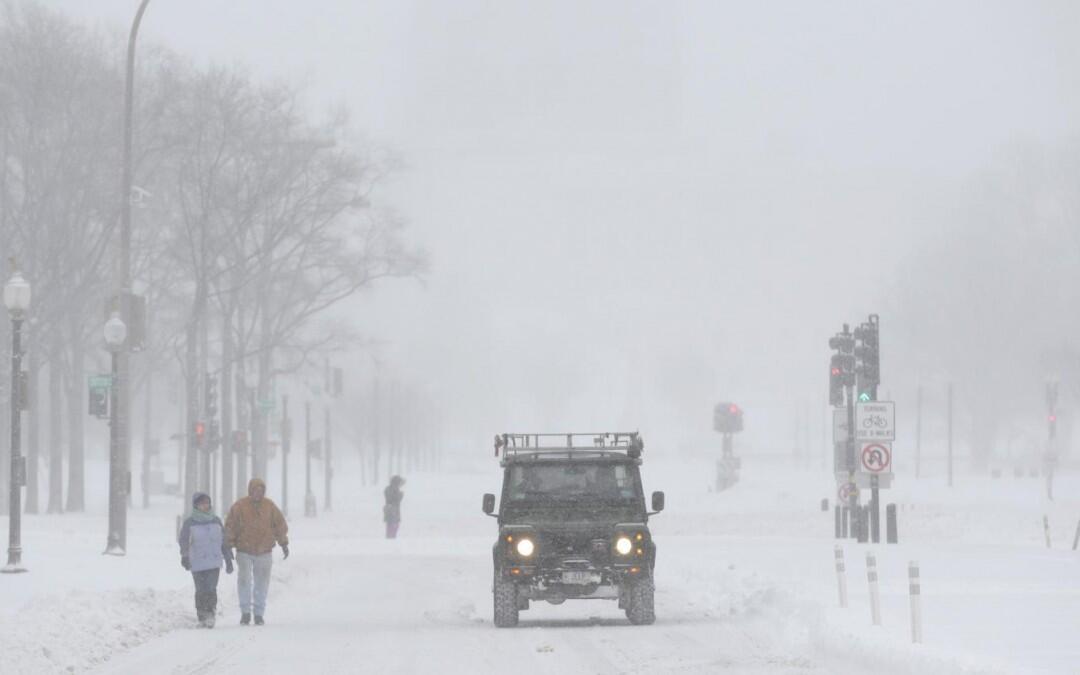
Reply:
x=266, y=406
x=100, y=381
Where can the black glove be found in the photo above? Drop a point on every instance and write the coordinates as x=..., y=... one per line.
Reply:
x=228, y=567
x=285, y=550
x=184, y=562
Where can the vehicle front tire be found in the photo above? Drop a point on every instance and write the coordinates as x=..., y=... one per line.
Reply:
x=505, y=602
x=640, y=607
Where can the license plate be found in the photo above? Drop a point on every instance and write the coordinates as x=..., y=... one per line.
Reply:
x=579, y=578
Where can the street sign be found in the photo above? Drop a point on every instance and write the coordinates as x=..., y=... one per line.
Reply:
x=839, y=425
x=266, y=405
x=847, y=491
x=875, y=421
x=876, y=458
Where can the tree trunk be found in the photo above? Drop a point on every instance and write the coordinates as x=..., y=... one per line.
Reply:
x=191, y=456
x=148, y=441
x=56, y=433
x=226, y=410
x=76, y=500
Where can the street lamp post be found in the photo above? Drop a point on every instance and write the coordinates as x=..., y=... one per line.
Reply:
x=17, y=301
x=115, y=333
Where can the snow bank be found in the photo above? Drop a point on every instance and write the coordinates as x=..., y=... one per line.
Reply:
x=79, y=630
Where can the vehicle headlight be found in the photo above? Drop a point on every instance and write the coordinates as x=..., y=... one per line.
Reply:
x=525, y=547
x=623, y=545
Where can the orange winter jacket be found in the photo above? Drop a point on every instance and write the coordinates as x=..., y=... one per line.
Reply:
x=253, y=526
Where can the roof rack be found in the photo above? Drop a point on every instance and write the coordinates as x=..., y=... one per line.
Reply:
x=599, y=444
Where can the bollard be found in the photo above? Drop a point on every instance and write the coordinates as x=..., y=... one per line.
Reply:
x=875, y=599
x=838, y=515
x=863, y=531
x=841, y=578
x=845, y=517
x=1076, y=539
x=916, y=602
x=825, y=504
x=890, y=524
x=1046, y=530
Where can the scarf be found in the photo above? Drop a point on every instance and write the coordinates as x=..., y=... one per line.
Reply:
x=202, y=516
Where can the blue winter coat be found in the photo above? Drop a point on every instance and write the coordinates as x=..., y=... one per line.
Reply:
x=204, y=544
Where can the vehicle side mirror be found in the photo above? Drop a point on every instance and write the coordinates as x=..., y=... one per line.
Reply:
x=658, y=501
x=489, y=503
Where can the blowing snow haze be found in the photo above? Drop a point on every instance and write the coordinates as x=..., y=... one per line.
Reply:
x=551, y=216
x=633, y=208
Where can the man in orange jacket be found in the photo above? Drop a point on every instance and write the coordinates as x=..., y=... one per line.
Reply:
x=252, y=527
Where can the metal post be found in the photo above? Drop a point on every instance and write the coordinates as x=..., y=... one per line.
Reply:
x=115, y=544
x=1076, y=538
x=841, y=577
x=950, y=422
x=875, y=599
x=1046, y=530
x=838, y=516
x=286, y=443
x=915, y=591
x=14, y=561
x=918, y=431
x=891, y=536
x=875, y=511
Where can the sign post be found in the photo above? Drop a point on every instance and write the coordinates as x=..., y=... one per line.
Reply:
x=875, y=428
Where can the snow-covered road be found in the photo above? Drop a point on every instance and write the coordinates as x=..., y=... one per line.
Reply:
x=745, y=584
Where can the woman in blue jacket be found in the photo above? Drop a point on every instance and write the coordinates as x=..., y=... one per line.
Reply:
x=202, y=550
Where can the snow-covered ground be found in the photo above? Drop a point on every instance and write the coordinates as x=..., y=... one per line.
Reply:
x=745, y=584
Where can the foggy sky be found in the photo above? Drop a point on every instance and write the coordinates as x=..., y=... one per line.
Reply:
x=633, y=209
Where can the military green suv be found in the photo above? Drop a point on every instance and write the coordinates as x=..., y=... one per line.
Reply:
x=572, y=523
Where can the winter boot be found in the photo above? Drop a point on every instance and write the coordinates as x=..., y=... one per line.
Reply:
x=258, y=620
x=245, y=619
x=209, y=620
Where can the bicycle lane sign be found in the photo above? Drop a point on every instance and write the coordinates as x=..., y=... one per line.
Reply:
x=875, y=421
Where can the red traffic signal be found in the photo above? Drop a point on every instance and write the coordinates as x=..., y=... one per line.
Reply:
x=733, y=409
x=200, y=434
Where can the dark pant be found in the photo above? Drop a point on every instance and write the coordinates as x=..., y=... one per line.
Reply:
x=206, y=592
x=391, y=529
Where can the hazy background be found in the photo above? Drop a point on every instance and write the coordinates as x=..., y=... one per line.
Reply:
x=636, y=209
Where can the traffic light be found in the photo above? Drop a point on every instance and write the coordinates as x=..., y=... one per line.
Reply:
x=869, y=356
x=1051, y=421
x=99, y=402
x=841, y=365
x=836, y=382
x=215, y=436
x=210, y=401
x=200, y=435
x=727, y=418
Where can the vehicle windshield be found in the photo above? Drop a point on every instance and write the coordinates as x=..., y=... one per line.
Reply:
x=572, y=483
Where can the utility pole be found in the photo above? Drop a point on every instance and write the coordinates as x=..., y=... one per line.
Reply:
x=948, y=407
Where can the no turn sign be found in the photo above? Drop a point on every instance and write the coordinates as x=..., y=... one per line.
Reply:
x=876, y=457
